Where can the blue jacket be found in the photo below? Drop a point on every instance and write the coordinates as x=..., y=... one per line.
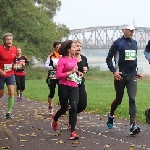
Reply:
x=147, y=54
x=124, y=51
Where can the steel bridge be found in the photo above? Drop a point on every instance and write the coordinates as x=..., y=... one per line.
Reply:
x=102, y=37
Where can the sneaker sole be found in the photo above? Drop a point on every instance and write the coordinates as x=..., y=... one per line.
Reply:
x=137, y=132
x=73, y=138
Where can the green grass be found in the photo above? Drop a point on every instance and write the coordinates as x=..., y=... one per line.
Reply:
x=100, y=91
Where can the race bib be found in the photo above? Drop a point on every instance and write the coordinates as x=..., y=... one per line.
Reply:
x=130, y=54
x=52, y=74
x=19, y=66
x=75, y=78
x=7, y=67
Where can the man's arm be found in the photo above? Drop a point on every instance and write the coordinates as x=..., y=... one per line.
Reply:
x=110, y=55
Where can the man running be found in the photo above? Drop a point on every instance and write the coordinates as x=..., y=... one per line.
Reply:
x=124, y=51
x=7, y=54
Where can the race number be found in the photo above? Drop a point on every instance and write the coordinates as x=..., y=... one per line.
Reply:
x=19, y=66
x=52, y=74
x=75, y=78
x=7, y=67
x=130, y=55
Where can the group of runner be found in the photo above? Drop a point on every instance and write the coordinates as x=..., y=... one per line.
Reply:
x=66, y=67
x=12, y=65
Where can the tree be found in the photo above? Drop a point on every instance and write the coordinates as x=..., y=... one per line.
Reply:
x=32, y=25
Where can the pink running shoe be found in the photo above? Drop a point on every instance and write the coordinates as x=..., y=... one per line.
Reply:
x=74, y=136
x=54, y=124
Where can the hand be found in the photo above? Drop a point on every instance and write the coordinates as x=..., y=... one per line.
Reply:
x=80, y=74
x=117, y=75
x=139, y=76
x=15, y=67
x=23, y=64
x=55, y=66
x=85, y=69
x=75, y=69
x=2, y=73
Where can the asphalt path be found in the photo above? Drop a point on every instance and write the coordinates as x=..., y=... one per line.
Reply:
x=31, y=130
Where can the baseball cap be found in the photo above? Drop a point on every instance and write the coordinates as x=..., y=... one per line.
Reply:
x=128, y=26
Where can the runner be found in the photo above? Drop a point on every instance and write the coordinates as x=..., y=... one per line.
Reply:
x=68, y=86
x=51, y=66
x=147, y=51
x=20, y=61
x=7, y=54
x=124, y=51
x=82, y=67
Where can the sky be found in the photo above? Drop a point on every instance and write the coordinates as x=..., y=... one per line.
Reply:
x=77, y=14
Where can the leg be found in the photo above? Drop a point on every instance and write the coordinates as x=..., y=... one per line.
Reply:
x=2, y=86
x=63, y=92
x=73, y=101
x=10, y=81
x=22, y=85
x=18, y=85
x=131, y=90
x=52, y=87
x=82, y=99
x=119, y=88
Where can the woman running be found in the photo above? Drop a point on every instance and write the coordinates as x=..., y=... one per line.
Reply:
x=51, y=66
x=82, y=67
x=68, y=85
x=20, y=61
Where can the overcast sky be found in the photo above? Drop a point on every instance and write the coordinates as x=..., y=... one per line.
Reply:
x=76, y=14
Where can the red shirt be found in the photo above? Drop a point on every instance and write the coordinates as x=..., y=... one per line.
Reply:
x=6, y=59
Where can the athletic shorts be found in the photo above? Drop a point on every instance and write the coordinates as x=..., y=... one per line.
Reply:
x=10, y=80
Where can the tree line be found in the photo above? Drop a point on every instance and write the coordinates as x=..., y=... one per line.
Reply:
x=31, y=23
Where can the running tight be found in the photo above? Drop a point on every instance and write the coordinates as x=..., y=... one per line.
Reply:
x=82, y=100
x=52, y=87
x=130, y=82
x=20, y=82
x=72, y=94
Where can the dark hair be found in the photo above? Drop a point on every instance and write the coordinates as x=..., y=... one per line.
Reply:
x=56, y=43
x=65, y=46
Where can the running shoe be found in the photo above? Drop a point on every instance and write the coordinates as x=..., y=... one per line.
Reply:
x=134, y=129
x=18, y=99
x=50, y=108
x=110, y=121
x=54, y=124
x=147, y=114
x=9, y=116
x=21, y=96
x=74, y=136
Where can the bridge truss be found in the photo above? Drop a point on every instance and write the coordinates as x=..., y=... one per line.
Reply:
x=102, y=37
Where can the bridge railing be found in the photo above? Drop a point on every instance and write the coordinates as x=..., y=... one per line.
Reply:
x=102, y=37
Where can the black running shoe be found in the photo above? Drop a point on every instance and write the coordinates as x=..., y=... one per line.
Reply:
x=9, y=116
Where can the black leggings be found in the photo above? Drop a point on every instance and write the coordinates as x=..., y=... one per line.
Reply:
x=130, y=82
x=52, y=87
x=20, y=82
x=72, y=94
x=82, y=100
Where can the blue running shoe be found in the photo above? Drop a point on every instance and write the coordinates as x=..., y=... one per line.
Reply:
x=110, y=121
x=134, y=129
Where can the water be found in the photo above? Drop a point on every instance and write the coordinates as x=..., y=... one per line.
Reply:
x=97, y=58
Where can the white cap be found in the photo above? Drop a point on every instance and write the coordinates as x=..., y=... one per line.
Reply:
x=129, y=26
